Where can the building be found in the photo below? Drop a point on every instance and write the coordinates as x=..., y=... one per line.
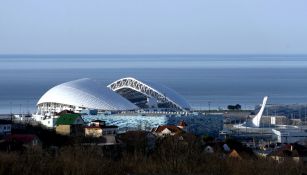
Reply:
x=273, y=120
x=127, y=94
x=98, y=128
x=148, y=94
x=81, y=94
x=289, y=135
x=209, y=124
x=70, y=124
x=182, y=125
x=23, y=140
x=235, y=155
x=295, y=152
x=5, y=127
x=169, y=130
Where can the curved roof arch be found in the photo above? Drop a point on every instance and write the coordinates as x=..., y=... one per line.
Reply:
x=86, y=93
x=152, y=89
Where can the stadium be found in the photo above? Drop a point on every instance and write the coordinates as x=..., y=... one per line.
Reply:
x=126, y=94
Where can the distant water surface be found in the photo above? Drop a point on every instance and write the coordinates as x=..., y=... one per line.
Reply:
x=218, y=80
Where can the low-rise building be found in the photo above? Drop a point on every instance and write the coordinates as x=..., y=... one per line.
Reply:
x=234, y=154
x=5, y=127
x=24, y=140
x=70, y=124
x=167, y=130
x=289, y=135
x=98, y=128
x=295, y=152
x=170, y=130
x=273, y=120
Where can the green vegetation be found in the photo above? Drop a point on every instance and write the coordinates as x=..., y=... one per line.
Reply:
x=61, y=155
x=234, y=107
x=177, y=160
x=170, y=157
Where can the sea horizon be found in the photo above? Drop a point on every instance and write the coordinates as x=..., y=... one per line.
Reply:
x=219, y=80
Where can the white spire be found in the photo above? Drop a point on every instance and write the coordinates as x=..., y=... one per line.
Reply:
x=256, y=119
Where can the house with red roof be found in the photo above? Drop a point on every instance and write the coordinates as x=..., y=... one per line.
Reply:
x=169, y=130
x=24, y=140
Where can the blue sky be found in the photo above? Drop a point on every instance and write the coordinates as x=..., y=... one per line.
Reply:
x=153, y=27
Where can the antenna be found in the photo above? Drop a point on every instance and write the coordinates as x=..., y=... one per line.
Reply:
x=256, y=119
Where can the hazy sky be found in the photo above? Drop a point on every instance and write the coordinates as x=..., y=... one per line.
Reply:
x=153, y=27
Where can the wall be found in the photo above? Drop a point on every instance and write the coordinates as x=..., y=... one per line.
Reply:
x=93, y=132
x=63, y=129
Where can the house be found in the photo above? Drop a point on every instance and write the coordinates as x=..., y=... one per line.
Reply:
x=295, y=152
x=5, y=127
x=97, y=123
x=209, y=150
x=98, y=128
x=234, y=154
x=70, y=124
x=169, y=130
x=23, y=140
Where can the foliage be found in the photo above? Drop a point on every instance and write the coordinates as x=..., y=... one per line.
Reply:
x=234, y=107
x=172, y=155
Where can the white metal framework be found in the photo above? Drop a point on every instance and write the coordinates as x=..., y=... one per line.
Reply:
x=162, y=93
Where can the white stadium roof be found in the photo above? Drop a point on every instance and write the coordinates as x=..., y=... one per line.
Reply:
x=169, y=93
x=86, y=93
x=151, y=89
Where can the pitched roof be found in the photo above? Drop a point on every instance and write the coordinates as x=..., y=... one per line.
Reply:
x=285, y=151
x=67, y=119
x=172, y=128
x=235, y=154
x=23, y=138
x=65, y=112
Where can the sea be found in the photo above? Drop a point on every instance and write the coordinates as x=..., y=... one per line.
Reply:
x=214, y=81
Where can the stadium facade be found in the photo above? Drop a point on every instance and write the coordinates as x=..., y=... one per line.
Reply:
x=126, y=94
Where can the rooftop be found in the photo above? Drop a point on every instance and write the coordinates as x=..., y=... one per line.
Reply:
x=67, y=119
x=172, y=128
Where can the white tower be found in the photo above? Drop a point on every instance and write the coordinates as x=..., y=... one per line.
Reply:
x=257, y=118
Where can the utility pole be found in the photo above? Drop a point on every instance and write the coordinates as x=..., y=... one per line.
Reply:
x=209, y=104
x=11, y=114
